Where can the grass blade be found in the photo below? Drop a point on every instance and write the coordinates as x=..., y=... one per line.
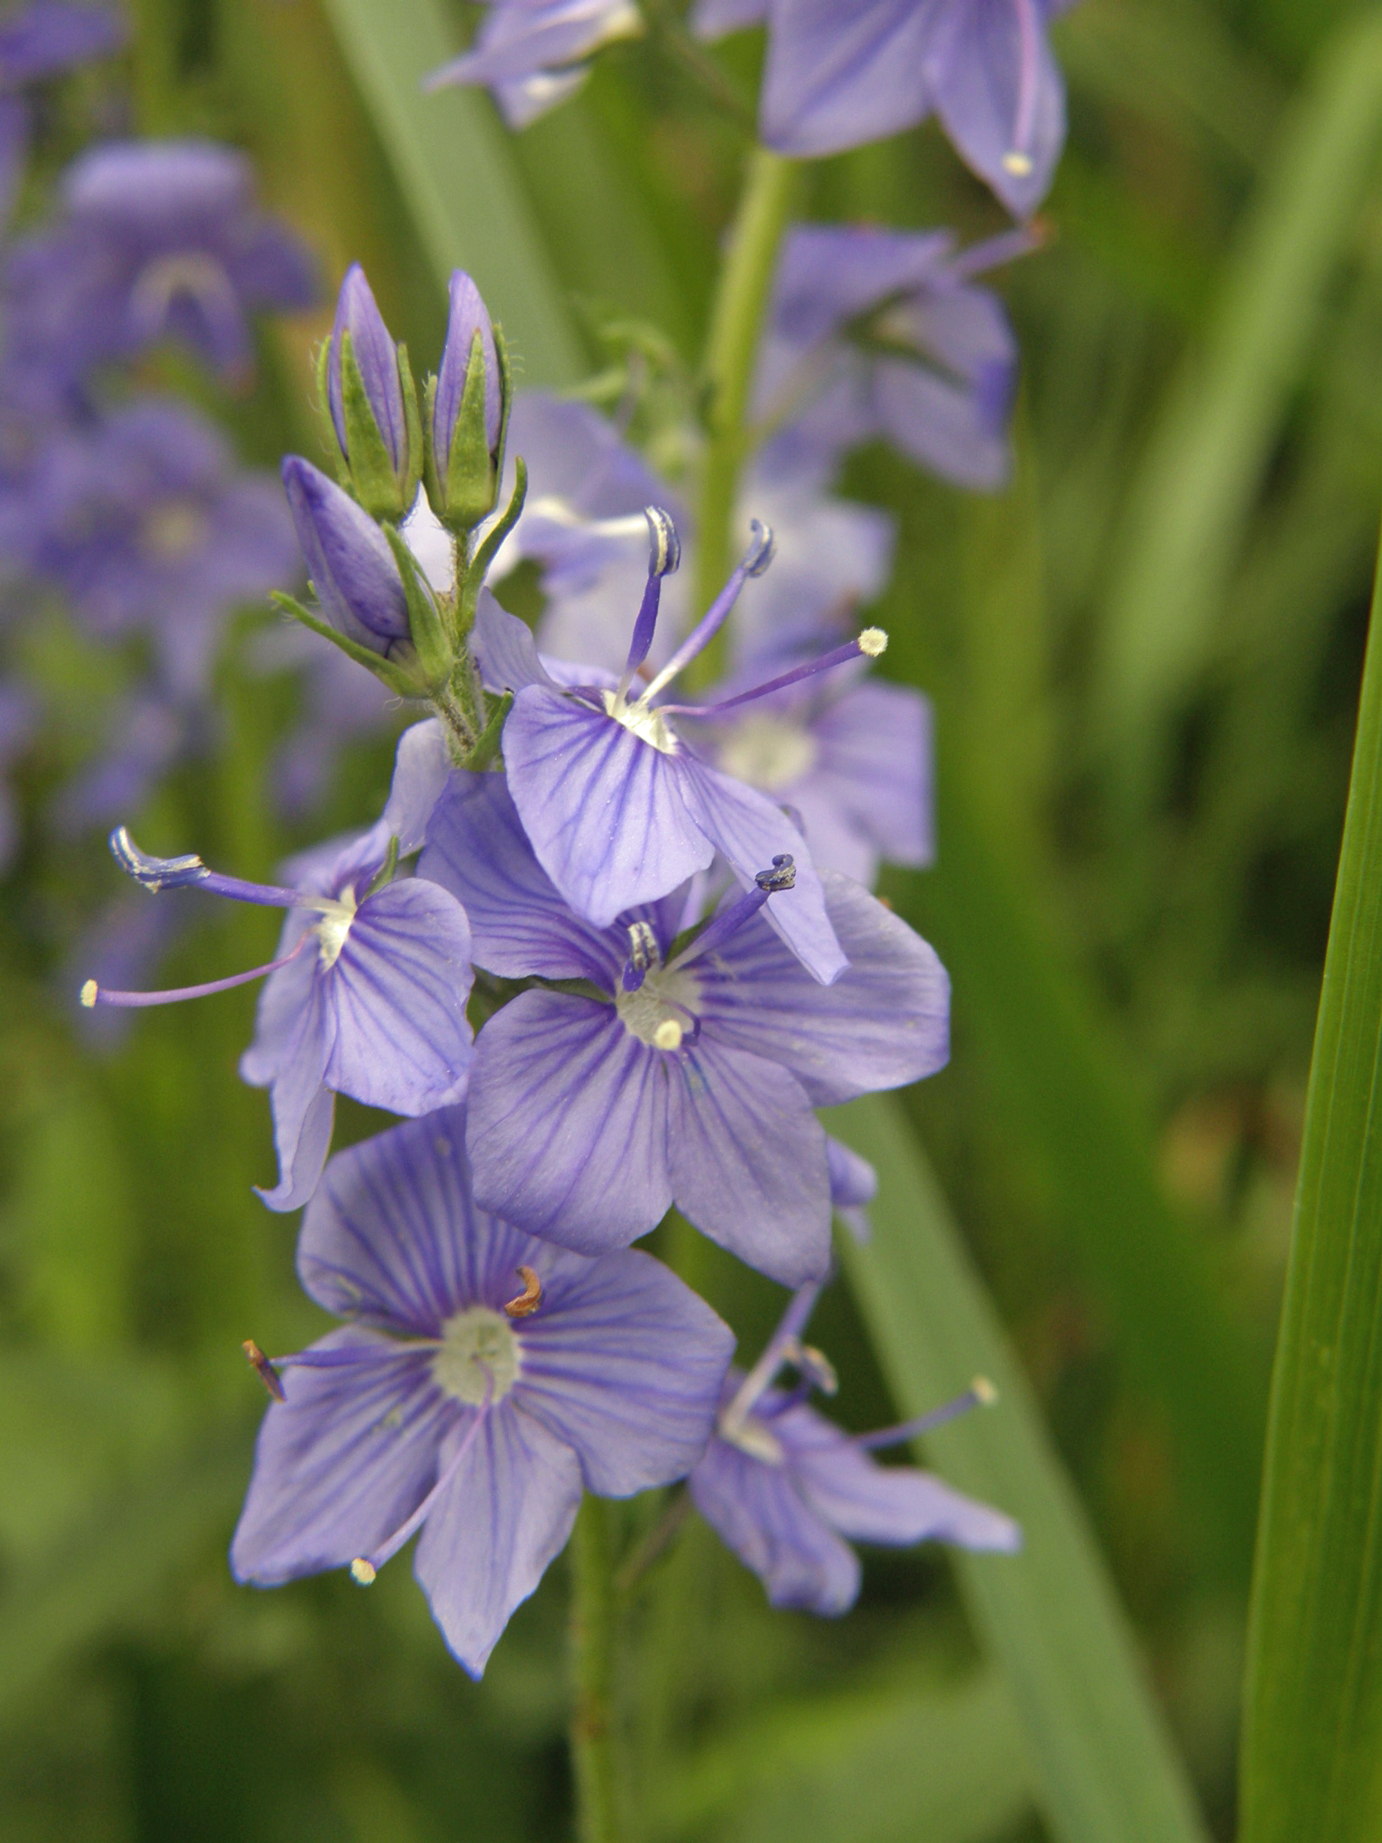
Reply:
x=1312, y=1753
x=1105, y=1768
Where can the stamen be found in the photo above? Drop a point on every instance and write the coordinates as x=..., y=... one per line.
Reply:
x=529, y=1299
x=663, y=560
x=868, y=644
x=753, y=563
x=93, y=994
x=644, y=956
x=980, y=1394
x=364, y=1568
x=782, y=876
x=188, y=871
x=262, y=1368
x=668, y=1034
x=1018, y=159
x=759, y=1378
x=1007, y=246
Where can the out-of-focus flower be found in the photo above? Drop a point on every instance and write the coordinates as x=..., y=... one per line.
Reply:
x=145, y=735
x=440, y=1408
x=690, y=1072
x=368, y=992
x=531, y=54
x=37, y=42
x=156, y=240
x=878, y=333
x=788, y=1492
x=839, y=76
x=146, y=523
x=18, y=722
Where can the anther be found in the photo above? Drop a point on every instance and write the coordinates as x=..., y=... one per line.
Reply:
x=529, y=1299
x=984, y=1392
x=1018, y=164
x=644, y=955
x=664, y=556
x=151, y=872
x=873, y=641
x=363, y=1572
x=262, y=1368
x=88, y=994
x=668, y=1034
x=762, y=547
x=817, y=1367
x=782, y=876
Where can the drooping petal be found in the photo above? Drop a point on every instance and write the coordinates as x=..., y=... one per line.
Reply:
x=749, y=832
x=624, y=1363
x=393, y=1236
x=342, y=1462
x=974, y=69
x=488, y=1539
x=758, y=1514
x=839, y=77
x=477, y=848
x=421, y=766
x=397, y=996
x=284, y=1001
x=504, y=648
x=604, y=810
x=747, y=1159
x=568, y=1123
x=884, y=1023
x=303, y=1107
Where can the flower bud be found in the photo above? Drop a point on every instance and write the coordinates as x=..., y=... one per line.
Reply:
x=368, y=388
x=348, y=559
x=468, y=411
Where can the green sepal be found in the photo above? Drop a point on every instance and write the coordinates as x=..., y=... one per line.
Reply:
x=385, y=872
x=505, y=403
x=431, y=477
x=487, y=747
x=478, y=567
x=436, y=653
x=373, y=477
x=333, y=445
x=470, y=482
x=413, y=423
x=403, y=683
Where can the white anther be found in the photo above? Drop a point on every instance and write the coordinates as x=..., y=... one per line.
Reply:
x=983, y=1391
x=873, y=641
x=362, y=1572
x=88, y=993
x=668, y=1034
x=1019, y=165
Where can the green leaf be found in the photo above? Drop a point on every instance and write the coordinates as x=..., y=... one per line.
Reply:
x=1312, y=1754
x=1214, y=440
x=455, y=170
x=1105, y=1769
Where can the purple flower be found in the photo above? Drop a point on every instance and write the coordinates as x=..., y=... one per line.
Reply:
x=619, y=809
x=530, y=52
x=467, y=412
x=675, y=1071
x=483, y=1380
x=146, y=524
x=788, y=1492
x=348, y=560
x=367, y=995
x=853, y=1186
x=41, y=41
x=840, y=76
x=879, y=333
x=373, y=404
x=158, y=239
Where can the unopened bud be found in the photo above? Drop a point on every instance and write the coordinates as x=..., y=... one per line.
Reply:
x=368, y=387
x=348, y=559
x=467, y=412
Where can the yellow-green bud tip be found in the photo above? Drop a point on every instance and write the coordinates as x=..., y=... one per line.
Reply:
x=983, y=1391
x=362, y=1572
x=88, y=993
x=872, y=642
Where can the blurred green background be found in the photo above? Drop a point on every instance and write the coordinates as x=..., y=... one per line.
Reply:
x=1144, y=658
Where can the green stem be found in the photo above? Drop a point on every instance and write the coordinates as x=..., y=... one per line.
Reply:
x=598, y=1804
x=736, y=323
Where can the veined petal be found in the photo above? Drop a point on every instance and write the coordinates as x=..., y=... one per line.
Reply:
x=303, y=1107
x=974, y=71
x=504, y=648
x=625, y=1364
x=757, y=1513
x=284, y=1000
x=477, y=848
x=604, y=810
x=748, y=1163
x=420, y=770
x=568, y=1123
x=397, y=995
x=341, y=1463
x=837, y=77
x=749, y=831
x=493, y=1530
x=393, y=1237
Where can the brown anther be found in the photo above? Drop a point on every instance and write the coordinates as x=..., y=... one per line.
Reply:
x=529, y=1299
x=262, y=1367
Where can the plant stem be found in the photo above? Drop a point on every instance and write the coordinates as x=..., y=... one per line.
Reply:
x=598, y=1803
x=736, y=322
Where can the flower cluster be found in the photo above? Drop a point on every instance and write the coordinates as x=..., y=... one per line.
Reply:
x=601, y=972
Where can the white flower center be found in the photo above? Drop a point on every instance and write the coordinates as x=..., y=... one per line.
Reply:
x=661, y=1012
x=478, y=1356
x=645, y=722
x=769, y=752
x=334, y=926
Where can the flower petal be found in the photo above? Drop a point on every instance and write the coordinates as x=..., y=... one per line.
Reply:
x=973, y=68
x=341, y=1463
x=303, y=1107
x=568, y=1123
x=748, y=1161
x=487, y=1540
x=504, y=648
x=875, y=767
x=839, y=77
x=625, y=1364
x=758, y=1514
x=420, y=770
x=884, y=1022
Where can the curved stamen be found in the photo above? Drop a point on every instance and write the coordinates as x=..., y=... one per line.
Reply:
x=93, y=994
x=664, y=559
x=760, y=1377
x=782, y=876
x=529, y=1299
x=189, y=872
x=867, y=645
x=980, y=1394
x=1018, y=159
x=364, y=1568
x=753, y=563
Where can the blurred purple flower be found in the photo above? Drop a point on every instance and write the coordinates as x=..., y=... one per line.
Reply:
x=339, y=704
x=368, y=992
x=689, y=1073
x=530, y=53
x=436, y=1409
x=840, y=76
x=146, y=734
x=18, y=723
x=37, y=42
x=147, y=525
x=853, y=1186
x=787, y=1491
x=157, y=240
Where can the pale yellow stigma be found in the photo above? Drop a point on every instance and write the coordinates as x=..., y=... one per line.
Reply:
x=1019, y=165
x=668, y=1034
x=872, y=642
x=983, y=1391
x=88, y=993
x=362, y=1572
